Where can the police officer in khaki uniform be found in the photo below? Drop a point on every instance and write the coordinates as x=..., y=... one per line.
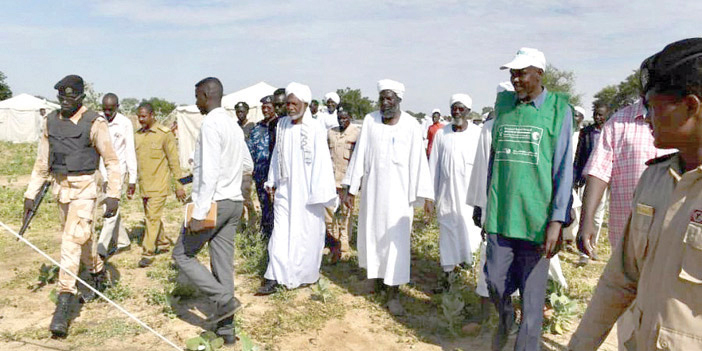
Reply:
x=655, y=274
x=342, y=140
x=157, y=162
x=73, y=140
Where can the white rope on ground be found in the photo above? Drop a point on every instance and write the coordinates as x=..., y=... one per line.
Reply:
x=90, y=287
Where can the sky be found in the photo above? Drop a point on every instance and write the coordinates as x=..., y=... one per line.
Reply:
x=161, y=48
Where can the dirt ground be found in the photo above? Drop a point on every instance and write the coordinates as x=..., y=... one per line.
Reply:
x=353, y=318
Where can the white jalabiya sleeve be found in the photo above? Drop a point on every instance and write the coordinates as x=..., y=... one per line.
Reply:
x=434, y=163
x=356, y=168
x=477, y=189
x=421, y=185
x=322, y=183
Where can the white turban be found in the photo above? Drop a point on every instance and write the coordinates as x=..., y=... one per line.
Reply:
x=505, y=86
x=462, y=98
x=389, y=84
x=332, y=96
x=580, y=110
x=300, y=91
x=436, y=110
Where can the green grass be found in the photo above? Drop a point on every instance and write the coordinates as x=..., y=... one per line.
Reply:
x=18, y=159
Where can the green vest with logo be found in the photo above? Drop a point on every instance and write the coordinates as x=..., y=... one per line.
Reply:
x=524, y=139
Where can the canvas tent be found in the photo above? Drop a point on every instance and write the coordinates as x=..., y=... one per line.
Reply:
x=189, y=117
x=20, y=121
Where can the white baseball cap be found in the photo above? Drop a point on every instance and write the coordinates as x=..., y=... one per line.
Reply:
x=436, y=110
x=526, y=57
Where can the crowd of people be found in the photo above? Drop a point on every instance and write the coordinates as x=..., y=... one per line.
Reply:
x=512, y=191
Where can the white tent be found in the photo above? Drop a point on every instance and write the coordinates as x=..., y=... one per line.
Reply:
x=252, y=96
x=189, y=118
x=20, y=121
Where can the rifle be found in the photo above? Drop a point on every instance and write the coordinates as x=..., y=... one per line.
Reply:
x=32, y=211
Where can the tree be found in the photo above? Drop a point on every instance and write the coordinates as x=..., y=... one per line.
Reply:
x=162, y=107
x=129, y=106
x=5, y=92
x=486, y=109
x=359, y=104
x=418, y=115
x=93, y=99
x=556, y=80
x=625, y=93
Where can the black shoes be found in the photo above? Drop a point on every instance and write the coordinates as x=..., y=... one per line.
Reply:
x=227, y=310
x=268, y=287
x=59, y=323
x=225, y=330
x=98, y=281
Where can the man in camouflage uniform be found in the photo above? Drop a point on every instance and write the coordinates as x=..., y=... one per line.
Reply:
x=342, y=140
x=157, y=156
x=73, y=140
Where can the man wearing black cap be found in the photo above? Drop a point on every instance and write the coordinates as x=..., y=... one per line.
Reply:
x=70, y=148
x=657, y=268
x=260, y=142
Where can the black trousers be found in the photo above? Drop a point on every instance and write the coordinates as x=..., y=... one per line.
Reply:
x=513, y=264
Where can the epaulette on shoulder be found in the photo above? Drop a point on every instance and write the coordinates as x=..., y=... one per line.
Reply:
x=164, y=129
x=661, y=159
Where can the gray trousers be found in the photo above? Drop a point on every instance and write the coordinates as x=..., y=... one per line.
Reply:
x=219, y=284
x=513, y=264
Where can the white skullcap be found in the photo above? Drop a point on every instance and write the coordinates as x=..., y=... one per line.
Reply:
x=505, y=86
x=300, y=91
x=580, y=110
x=462, y=98
x=332, y=96
x=526, y=57
x=389, y=84
x=436, y=110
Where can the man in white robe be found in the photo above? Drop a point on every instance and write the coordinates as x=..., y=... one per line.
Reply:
x=451, y=164
x=390, y=166
x=301, y=181
x=327, y=117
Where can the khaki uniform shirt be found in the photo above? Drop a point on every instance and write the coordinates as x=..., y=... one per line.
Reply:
x=657, y=269
x=341, y=146
x=156, y=153
x=73, y=187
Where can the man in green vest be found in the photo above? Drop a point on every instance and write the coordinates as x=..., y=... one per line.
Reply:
x=529, y=187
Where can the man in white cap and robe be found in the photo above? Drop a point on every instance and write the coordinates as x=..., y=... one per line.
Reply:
x=390, y=166
x=301, y=182
x=451, y=164
x=328, y=116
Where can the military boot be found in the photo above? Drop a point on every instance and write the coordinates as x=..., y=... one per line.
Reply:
x=59, y=324
x=99, y=282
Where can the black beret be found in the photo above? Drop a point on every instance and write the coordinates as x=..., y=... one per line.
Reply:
x=669, y=69
x=75, y=82
x=241, y=104
x=267, y=99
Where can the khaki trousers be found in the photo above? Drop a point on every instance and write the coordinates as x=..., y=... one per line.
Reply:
x=154, y=237
x=339, y=225
x=77, y=242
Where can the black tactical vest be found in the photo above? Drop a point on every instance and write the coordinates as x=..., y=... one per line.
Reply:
x=70, y=150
